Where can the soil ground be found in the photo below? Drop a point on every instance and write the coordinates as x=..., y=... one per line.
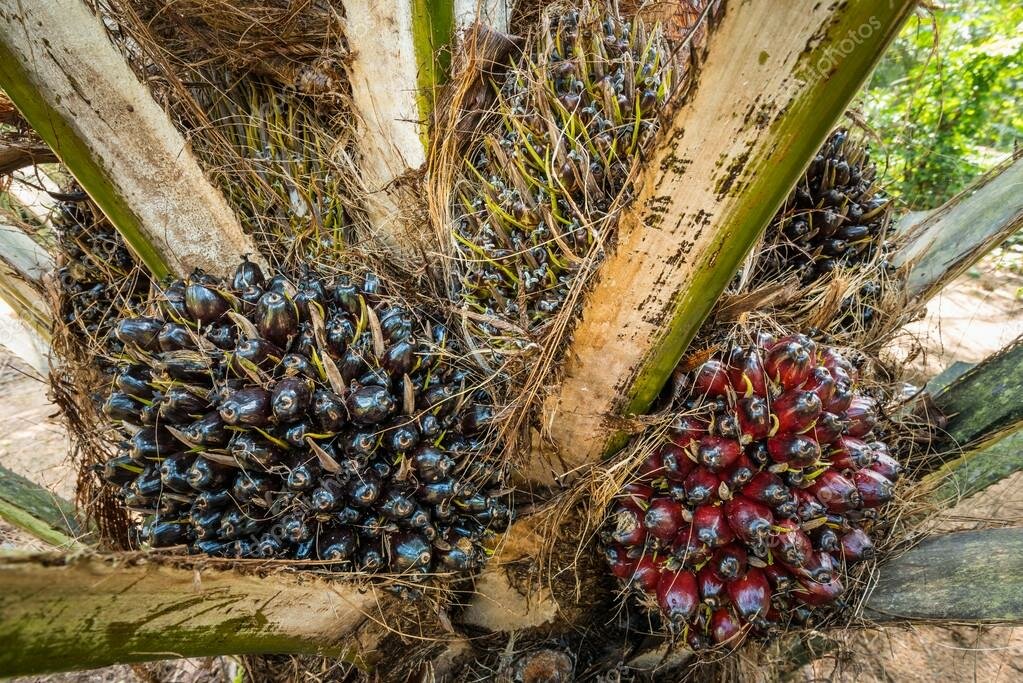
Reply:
x=975, y=316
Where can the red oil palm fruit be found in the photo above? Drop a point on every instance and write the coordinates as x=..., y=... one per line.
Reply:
x=807, y=505
x=652, y=466
x=825, y=539
x=779, y=577
x=750, y=520
x=874, y=488
x=818, y=594
x=686, y=429
x=789, y=364
x=645, y=574
x=754, y=419
x=795, y=450
x=792, y=545
x=750, y=594
x=796, y=411
x=676, y=462
x=711, y=380
x=850, y=453
x=712, y=586
x=688, y=549
x=856, y=546
x=677, y=594
x=635, y=495
x=821, y=383
x=718, y=453
x=701, y=486
x=724, y=626
x=663, y=519
x=740, y=473
x=627, y=527
x=729, y=562
x=832, y=360
x=621, y=564
x=886, y=466
x=862, y=416
x=818, y=567
x=747, y=375
x=767, y=488
x=836, y=492
x=828, y=428
x=841, y=399
x=711, y=526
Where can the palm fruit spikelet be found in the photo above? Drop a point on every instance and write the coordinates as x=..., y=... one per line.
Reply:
x=747, y=515
x=836, y=215
x=96, y=274
x=271, y=419
x=572, y=117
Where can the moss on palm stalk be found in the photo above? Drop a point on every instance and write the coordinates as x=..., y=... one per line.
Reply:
x=541, y=189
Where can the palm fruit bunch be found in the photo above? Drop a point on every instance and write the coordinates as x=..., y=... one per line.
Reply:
x=749, y=513
x=271, y=419
x=573, y=115
x=96, y=273
x=836, y=216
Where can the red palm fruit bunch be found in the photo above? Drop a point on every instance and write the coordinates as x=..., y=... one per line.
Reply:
x=745, y=518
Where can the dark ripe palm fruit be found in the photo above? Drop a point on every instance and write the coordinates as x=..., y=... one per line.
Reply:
x=281, y=450
x=771, y=495
x=119, y=406
x=276, y=318
x=290, y=398
x=552, y=160
x=174, y=472
x=163, y=534
x=410, y=552
x=203, y=303
x=247, y=274
x=134, y=381
x=338, y=544
x=249, y=407
x=836, y=216
x=371, y=405
x=143, y=333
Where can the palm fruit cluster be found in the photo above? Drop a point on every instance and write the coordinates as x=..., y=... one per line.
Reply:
x=574, y=113
x=748, y=514
x=271, y=419
x=96, y=272
x=836, y=216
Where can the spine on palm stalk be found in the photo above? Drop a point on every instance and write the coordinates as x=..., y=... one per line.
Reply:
x=746, y=518
x=263, y=418
x=573, y=116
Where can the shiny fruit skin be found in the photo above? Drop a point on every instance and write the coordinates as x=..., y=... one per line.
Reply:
x=677, y=594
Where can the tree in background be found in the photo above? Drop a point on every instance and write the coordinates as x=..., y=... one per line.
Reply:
x=947, y=100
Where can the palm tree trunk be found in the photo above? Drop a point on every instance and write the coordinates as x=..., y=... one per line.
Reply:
x=775, y=78
x=76, y=90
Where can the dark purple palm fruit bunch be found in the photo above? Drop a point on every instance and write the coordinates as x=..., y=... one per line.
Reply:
x=837, y=215
x=746, y=518
x=268, y=419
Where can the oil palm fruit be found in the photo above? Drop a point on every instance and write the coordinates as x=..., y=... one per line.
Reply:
x=282, y=446
x=757, y=519
x=571, y=116
x=836, y=216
